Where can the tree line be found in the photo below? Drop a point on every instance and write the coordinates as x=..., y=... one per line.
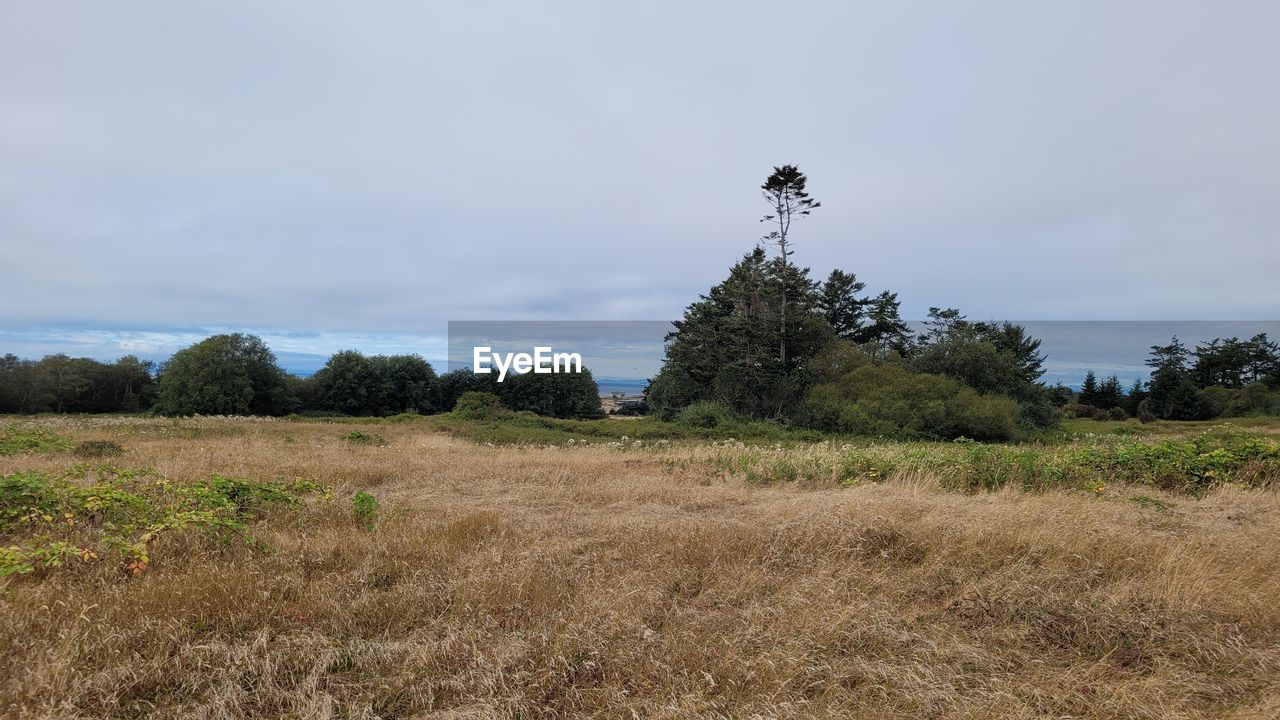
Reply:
x=1221, y=378
x=237, y=374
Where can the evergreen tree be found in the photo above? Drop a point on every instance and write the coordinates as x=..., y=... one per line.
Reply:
x=1110, y=394
x=840, y=304
x=885, y=329
x=784, y=191
x=1172, y=394
x=1089, y=389
x=724, y=348
x=1137, y=393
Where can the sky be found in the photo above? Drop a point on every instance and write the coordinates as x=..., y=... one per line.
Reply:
x=334, y=175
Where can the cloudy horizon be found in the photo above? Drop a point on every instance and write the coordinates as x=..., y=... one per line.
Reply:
x=325, y=174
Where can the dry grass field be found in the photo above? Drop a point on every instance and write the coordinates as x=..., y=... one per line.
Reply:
x=510, y=582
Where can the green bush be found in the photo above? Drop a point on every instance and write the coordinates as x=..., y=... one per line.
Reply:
x=474, y=405
x=366, y=508
x=889, y=401
x=360, y=437
x=707, y=415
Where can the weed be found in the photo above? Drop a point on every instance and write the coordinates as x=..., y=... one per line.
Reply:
x=121, y=514
x=366, y=508
x=97, y=449
x=360, y=437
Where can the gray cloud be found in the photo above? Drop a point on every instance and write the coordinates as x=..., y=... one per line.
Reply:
x=384, y=167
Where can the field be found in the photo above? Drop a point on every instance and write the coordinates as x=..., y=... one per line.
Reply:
x=221, y=568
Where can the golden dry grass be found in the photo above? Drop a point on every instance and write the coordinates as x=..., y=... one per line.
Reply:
x=595, y=582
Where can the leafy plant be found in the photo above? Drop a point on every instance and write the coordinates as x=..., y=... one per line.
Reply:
x=360, y=437
x=366, y=508
x=121, y=513
x=19, y=438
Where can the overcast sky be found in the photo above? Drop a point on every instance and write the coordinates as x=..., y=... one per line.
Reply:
x=342, y=173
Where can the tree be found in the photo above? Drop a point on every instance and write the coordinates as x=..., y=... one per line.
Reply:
x=724, y=348
x=63, y=378
x=232, y=374
x=1172, y=395
x=455, y=383
x=1110, y=394
x=378, y=386
x=563, y=395
x=784, y=191
x=1172, y=356
x=1089, y=389
x=885, y=329
x=405, y=383
x=839, y=303
x=1137, y=393
x=344, y=384
x=943, y=324
x=1264, y=358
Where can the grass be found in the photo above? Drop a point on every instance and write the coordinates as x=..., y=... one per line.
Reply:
x=606, y=578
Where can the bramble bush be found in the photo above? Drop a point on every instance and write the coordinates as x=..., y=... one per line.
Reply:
x=45, y=522
x=19, y=438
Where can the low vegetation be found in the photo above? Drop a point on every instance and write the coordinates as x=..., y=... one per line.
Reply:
x=115, y=515
x=616, y=575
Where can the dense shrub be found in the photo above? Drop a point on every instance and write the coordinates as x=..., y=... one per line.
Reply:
x=1080, y=410
x=474, y=405
x=707, y=415
x=889, y=401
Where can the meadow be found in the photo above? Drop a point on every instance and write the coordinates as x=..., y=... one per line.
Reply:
x=471, y=567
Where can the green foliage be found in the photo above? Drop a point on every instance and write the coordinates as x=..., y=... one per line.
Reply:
x=366, y=508
x=726, y=347
x=889, y=401
x=560, y=395
x=1184, y=465
x=840, y=304
x=97, y=449
x=360, y=437
x=707, y=415
x=352, y=384
x=223, y=375
x=481, y=406
x=92, y=513
x=58, y=383
x=454, y=383
x=19, y=438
